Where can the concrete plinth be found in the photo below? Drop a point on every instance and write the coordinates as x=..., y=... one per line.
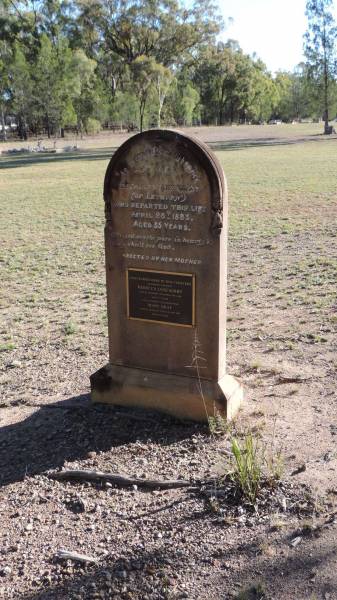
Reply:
x=176, y=395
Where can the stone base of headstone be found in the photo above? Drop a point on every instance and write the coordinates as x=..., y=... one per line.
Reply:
x=176, y=395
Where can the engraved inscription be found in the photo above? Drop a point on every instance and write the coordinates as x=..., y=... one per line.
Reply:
x=161, y=297
x=159, y=207
x=135, y=240
x=161, y=163
x=164, y=259
x=167, y=213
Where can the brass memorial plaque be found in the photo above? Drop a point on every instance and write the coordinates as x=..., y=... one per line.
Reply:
x=161, y=297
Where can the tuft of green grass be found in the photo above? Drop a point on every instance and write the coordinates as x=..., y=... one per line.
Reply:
x=70, y=328
x=253, y=467
x=218, y=425
x=7, y=346
x=247, y=466
x=256, y=365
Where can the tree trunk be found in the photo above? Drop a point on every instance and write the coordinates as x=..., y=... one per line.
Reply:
x=232, y=112
x=327, y=129
x=326, y=102
x=141, y=113
x=222, y=103
x=48, y=126
x=160, y=106
x=3, y=124
x=22, y=128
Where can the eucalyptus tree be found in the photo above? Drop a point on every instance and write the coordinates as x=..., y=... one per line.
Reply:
x=5, y=60
x=320, y=52
x=119, y=32
x=64, y=85
x=232, y=85
x=184, y=102
x=163, y=80
x=144, y=73
x=264, y=95
x=21, y=90
x=215, y=79
x=85, y=92
x=160, y=29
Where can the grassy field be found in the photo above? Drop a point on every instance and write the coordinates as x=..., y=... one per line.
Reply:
x=281, y=299
x=51, y=225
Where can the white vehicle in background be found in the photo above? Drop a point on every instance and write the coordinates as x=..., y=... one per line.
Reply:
x=10, y=124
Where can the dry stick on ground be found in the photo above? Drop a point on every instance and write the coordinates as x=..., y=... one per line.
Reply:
x=82, y=558
x=296, y=379
x=98, y=476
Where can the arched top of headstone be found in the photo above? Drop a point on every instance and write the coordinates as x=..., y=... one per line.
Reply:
x=169, y=157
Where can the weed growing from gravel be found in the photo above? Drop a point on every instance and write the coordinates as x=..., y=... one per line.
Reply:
x=248, y=457
x=218, y=425
x=275, y=465
x=70, y=328
x=247, y=465
x=7, y=346
x=253, y=467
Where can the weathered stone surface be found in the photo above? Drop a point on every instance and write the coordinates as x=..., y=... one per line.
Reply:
x=174, y=394
x=166, y=228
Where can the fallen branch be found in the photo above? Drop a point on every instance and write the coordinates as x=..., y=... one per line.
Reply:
x=120, y=480
x=82, y=558
x=295, y=379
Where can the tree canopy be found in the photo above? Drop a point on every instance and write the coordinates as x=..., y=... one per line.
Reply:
x=320, y=51
x=85, y=64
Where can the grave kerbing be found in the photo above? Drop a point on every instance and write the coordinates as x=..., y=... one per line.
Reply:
x=166, y=264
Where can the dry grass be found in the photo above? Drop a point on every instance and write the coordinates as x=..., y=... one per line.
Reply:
x=282, y=213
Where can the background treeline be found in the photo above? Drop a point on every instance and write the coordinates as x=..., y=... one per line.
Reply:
x=88, y=64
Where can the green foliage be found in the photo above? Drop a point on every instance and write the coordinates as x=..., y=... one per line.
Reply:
x=70, y=328
x=5, y=61
x=86, y=97
x=295, y=95
x=7, y=346
x=166, y=31
x=56, y=84
x=21, y=89
x=218, y=425
x=264, y=95
x=233, y=86
x=320, y=52
x=247, y=466
x=92, y=126
x=144, y=71
x=184, y=101
x=124, y=109
x=63, y=62
x=163, y=79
